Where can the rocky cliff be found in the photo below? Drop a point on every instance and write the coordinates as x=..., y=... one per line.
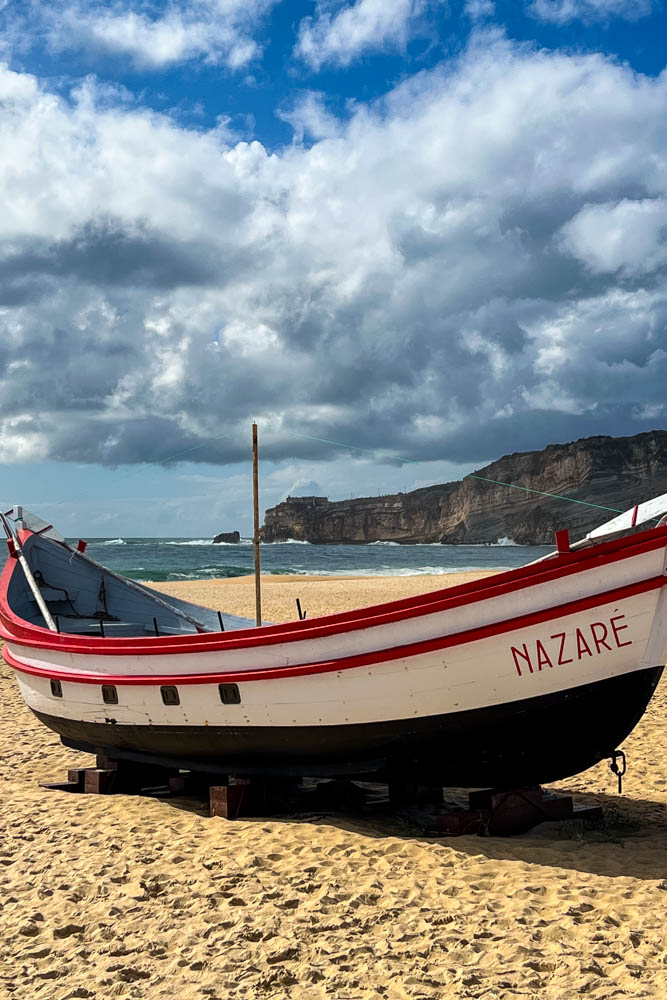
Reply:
x=612, y=472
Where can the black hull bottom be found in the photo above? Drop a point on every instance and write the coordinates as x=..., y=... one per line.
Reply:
x=522, y=743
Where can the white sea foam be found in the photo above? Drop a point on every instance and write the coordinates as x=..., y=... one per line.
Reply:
x=208, y=541
x=192, y=541
x=392, y=571
x=291, y=541
x=504, y=541
x=244, y=541
x=114, y=541
x=383, y=543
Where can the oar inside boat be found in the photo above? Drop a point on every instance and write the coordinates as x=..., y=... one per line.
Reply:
x=16, y=552
x=61, y=583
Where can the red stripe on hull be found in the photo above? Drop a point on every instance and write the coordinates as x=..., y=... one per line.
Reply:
x=14, y=628
x=349, y=662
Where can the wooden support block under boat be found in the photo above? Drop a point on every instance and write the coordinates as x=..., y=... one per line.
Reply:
x=113, y=777
x=227, y=800
x=99, y=781
x=508, y=812
x=75, y=782
x=253, y=796
x=491, y=812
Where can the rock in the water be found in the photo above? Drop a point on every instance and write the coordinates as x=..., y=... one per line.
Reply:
x=230, y=537
x=611, y=472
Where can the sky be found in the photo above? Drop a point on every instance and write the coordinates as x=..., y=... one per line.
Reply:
x=432, y=230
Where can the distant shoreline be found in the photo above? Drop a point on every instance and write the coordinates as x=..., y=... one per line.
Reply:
x=290, y=578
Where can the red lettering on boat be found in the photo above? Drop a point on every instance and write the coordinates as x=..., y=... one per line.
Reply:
x=516, y=653
x=619, y=628
x=600, y=639
x=582, y=645
x=562, y=637
x=542, y=656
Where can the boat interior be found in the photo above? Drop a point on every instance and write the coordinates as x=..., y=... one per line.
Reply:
x=84, y=598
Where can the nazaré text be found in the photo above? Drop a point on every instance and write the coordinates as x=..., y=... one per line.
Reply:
x=561, y=648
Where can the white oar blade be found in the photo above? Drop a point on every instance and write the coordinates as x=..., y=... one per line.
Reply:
x=651, y=510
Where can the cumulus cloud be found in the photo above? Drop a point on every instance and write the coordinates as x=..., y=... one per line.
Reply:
x=309, y=116
x=628, y=236
x=304, y=487
x=471, y=266
x=564, y=11
x=479, y=10
x=218, y=31
x=339, y=35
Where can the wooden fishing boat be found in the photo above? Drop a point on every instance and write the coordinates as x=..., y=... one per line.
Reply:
x=517, y=679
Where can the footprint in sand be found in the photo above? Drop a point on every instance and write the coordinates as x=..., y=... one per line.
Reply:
x=68, y=930
x=29, y=930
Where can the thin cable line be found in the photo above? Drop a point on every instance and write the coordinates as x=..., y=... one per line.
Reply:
x=470, y=475
x=354, y=447
x=377, y=454
x=557, y=496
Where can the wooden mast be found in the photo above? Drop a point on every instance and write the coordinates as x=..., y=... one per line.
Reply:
x=255, y=497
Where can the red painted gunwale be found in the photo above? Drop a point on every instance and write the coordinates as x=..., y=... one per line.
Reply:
x=348, y=662
x=13, y=628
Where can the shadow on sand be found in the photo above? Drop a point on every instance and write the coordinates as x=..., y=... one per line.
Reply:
x=631, y=840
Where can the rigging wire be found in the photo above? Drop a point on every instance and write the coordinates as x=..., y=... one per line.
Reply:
x=470, y=475
x=557, y=496
x=375, y=453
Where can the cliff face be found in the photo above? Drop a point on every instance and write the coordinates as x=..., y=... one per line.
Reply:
x=612, y=472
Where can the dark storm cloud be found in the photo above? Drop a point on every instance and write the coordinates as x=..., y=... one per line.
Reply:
x=156, y=439
x=20, y=291
x=104, y=252
x=525, y=431
x=476, y=267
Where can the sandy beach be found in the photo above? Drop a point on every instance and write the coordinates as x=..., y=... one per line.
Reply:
x=319, y=595
x=131, y=897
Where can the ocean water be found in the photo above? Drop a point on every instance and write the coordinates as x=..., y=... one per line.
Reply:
x=160, y=559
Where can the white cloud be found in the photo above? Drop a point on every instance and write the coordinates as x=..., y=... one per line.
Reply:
x=457, y=271
x=217, y=31
x=629, y=235
x=339, y=35
x=479, y=10
x=564, y=11
x=310, y=116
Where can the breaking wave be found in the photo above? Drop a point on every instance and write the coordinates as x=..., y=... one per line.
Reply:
x=404, y=571
x=192, y=541
x=208, y=541
x=163, y=559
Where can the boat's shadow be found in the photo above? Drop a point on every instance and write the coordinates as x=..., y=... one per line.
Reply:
x=631, y=839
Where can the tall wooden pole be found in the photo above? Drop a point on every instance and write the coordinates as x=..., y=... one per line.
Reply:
x=255, y=497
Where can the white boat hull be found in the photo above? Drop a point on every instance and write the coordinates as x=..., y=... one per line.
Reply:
x=533, y=675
